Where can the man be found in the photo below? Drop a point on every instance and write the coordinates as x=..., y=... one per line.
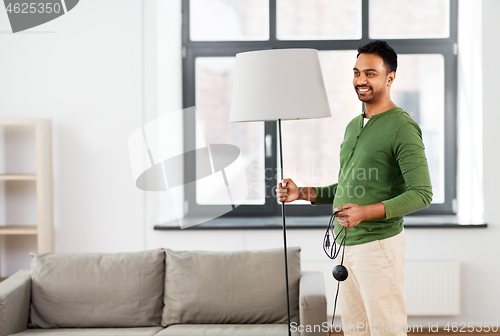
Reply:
x=383, y=176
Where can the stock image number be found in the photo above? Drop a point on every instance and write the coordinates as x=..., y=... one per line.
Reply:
x=471, y=327
x=34, y=7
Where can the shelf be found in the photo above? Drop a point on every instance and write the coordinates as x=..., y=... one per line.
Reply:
x=19, y=230
x=18, y=122
x=17, y=177
x=21, y=136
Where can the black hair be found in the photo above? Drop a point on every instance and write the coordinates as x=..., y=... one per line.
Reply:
x=382, y=49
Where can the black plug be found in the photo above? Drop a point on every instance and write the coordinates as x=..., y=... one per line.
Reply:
x=340, y=273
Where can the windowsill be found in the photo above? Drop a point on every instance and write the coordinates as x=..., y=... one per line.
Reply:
x=311, y=222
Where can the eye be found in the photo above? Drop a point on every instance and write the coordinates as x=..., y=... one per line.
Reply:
x=370, y=74
x=356, y=73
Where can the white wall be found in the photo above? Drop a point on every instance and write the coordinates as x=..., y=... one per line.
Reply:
x=486, y=245
x=87, y=77
x=83, y=71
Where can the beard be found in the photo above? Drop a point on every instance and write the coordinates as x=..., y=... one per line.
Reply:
x=367, y=97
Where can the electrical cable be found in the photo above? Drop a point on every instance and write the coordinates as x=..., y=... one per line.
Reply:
x=339, y=272
x=332, y=252
x=334, y=309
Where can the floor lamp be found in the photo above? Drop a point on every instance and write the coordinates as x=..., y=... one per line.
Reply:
x=279, y=84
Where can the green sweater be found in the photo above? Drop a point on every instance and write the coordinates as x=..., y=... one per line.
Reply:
x=384, y=161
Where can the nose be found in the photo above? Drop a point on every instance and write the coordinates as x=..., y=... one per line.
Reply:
x=361, y=79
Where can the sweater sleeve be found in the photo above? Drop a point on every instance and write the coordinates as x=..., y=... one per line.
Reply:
x=410, y=155
x=325, y=195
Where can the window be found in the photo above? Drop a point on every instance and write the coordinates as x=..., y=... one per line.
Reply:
x=423, y=33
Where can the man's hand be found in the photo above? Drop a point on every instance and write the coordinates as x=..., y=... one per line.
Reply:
x=351, y=214
x=287, y=191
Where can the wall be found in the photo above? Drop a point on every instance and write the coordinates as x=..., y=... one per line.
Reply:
x=85, y=72
x=486, y=246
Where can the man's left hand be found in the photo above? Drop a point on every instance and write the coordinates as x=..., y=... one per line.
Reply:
x=350, y=214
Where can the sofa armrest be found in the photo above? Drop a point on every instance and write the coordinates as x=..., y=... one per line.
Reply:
x=312, y=304
x=15, y=294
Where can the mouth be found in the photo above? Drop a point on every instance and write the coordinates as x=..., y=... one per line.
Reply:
x=363, y=90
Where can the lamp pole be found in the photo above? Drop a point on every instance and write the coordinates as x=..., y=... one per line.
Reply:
x=284, y=234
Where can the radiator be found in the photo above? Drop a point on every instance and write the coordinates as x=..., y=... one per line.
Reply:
x=432, y=287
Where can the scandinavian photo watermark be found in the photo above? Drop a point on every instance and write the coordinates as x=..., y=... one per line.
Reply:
x=354, y=189
x=452, y=327
x=218, y=173
x=354, y=328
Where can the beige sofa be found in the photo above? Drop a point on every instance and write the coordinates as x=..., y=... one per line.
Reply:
x=162, y=293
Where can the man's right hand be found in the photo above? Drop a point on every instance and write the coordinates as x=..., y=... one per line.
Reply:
x=287, y=191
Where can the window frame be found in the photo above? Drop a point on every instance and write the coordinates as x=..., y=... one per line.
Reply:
x=191, y=50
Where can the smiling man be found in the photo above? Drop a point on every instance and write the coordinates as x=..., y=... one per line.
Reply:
x=383, y=176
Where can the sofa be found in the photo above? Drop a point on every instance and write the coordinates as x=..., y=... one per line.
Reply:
x=163, y=293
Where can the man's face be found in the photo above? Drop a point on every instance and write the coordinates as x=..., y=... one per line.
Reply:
x=371, y=78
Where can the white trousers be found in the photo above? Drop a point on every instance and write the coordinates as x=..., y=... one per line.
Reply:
x=372, y=298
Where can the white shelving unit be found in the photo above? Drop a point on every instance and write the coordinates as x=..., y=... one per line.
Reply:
x=42, y=177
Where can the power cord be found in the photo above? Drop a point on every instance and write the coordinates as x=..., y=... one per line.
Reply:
x=331, y=249
x=339, y=272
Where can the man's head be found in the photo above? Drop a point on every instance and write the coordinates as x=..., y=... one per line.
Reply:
x=375, y=71
x=384, y=51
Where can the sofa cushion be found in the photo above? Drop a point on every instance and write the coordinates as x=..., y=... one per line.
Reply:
x=97, y=290
x=230, y=287
x=91, y=332
x=227, y=330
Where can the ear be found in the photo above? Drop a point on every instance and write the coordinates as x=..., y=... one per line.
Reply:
x=390, y=78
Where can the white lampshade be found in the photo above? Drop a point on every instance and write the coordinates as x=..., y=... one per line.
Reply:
x=277, y=84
